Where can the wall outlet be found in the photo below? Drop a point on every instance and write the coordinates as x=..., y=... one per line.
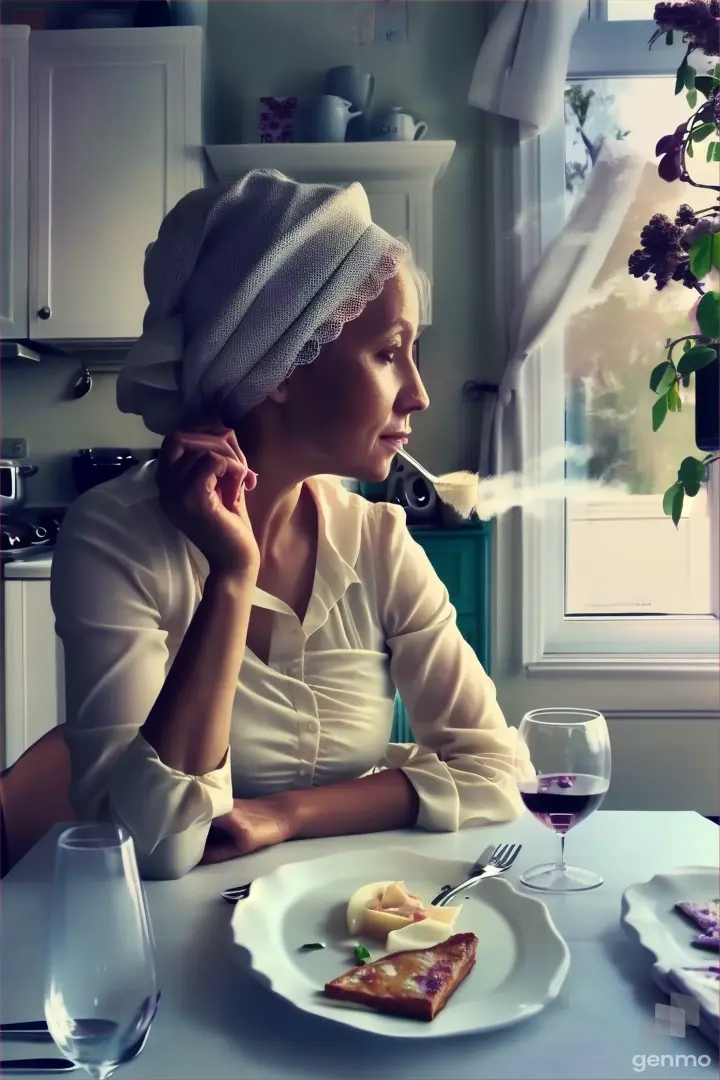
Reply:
x=13, y=448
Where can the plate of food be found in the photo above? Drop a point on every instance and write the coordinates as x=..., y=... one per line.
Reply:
x=676, y=917
x=356, y=940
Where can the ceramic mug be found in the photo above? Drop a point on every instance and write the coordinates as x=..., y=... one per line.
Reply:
x=351, y=83
x=394, y=125
x=324, y=119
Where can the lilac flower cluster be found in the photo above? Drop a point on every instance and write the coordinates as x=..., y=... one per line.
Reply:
x=697, y=20
x=663, y=251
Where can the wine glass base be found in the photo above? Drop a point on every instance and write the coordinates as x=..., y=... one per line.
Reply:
x=549, y=878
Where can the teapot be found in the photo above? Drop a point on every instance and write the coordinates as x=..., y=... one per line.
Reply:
x=324, y=119
x=395, y=125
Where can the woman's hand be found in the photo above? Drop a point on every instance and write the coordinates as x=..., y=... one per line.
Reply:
x=202, y=478
x=251, y=824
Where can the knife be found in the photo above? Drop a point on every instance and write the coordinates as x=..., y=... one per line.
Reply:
x=475, y=870
x=26, y=1029
x=36, y=1065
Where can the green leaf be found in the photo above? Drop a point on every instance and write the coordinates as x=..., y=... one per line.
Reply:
x=705, y=84
x=692, y=471
x=680, y=77
x=691, y=488
x=701, y=256
x=687, y=344
x=701, y=132
x=692, y=97
x=708, y=313
x=686, y=381
x=673, y=502
x=659, y=412
x=673, y=398
x=710, y=151
x=695, y=359
x=669, y=37
x=716, y=152
x=361, y=954
x=690, y=73
x=662, y=377
x=715, y=251
x=689, y=149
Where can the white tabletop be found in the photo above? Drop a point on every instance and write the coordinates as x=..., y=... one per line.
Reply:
x=215, y=1022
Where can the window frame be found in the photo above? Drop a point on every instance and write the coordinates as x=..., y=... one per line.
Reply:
x=553, y=642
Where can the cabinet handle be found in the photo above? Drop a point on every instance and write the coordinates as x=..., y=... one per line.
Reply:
x=44, y=313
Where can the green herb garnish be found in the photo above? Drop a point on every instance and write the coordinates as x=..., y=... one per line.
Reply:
x=313, y=945
x=361, y=954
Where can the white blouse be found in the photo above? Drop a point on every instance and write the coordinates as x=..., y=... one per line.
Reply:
x=125, y=585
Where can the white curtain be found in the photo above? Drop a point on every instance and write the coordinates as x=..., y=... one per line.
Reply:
x=555, y=289
x=522, y=66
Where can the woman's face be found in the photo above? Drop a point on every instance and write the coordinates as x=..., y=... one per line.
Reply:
x=345, y=411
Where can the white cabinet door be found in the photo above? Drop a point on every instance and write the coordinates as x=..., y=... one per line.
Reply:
x=116, y=127
x=34, y=667
x=14, y=63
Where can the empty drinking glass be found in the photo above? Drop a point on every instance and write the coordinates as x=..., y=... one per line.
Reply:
x=570, y=752
x=101, y=991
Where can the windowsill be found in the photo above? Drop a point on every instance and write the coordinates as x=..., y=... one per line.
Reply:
x=704, y=668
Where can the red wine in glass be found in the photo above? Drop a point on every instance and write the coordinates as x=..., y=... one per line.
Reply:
x=563, y=774
x=560, y=801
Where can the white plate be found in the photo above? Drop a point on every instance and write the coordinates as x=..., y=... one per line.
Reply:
x=521, y=963
x=648, y=913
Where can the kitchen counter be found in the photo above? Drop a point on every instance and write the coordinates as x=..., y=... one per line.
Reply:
x=33, y=568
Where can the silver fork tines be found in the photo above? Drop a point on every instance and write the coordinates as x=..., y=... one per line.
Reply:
x=501, y=859
x=236, y=892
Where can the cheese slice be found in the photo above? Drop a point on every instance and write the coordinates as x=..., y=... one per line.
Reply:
x=385, y=926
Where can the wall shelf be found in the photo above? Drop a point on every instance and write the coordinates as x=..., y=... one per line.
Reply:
x=425, y=160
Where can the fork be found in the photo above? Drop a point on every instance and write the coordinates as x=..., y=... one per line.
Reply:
x=236, y=892
x=501, y=859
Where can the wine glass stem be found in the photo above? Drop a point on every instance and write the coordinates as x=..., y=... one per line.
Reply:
x=560, y=858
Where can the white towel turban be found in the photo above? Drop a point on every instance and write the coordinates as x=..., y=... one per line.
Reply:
x=246, y=281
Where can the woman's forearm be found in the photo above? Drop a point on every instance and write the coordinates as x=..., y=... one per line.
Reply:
x=189, y=724
x=385, y=800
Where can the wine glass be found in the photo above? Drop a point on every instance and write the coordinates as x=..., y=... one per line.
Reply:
x=570, y=752
x=101, y=990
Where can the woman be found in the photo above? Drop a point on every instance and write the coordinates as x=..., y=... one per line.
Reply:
x=234, y=622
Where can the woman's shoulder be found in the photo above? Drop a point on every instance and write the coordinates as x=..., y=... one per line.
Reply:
x=354, y=525
x=126, y=506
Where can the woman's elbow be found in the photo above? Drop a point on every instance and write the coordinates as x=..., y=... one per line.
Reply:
x=173, y=857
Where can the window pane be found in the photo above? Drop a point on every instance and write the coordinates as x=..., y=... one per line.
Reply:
x=627, y=557
x=630, y=9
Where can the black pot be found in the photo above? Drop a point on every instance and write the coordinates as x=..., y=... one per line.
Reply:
x=91, y=467
x=707, y=408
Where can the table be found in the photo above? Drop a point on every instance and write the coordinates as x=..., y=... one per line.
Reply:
x=215, y=1022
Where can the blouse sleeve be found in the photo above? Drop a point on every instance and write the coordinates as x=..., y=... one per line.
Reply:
x=108, y=576
x=467, y=761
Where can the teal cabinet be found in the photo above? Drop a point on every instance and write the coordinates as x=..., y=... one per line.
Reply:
x=461, y=559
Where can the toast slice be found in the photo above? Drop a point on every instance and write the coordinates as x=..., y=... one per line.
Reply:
x=415, y=984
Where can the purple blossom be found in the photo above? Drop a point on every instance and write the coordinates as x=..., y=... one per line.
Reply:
x=662, y=254
x=685, y=215
x=697, y=20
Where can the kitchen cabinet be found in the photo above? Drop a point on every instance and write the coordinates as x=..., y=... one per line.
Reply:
x=399, y=178
x=34, y=668
x=101, y=137
x=14, y=131
x=116, y=141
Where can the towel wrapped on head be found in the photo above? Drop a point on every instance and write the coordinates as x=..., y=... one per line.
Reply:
x=246, y=281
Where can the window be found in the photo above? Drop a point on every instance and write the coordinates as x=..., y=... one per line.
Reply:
x=614, y=578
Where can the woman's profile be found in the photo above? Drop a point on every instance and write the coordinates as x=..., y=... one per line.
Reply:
x=235, y=623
